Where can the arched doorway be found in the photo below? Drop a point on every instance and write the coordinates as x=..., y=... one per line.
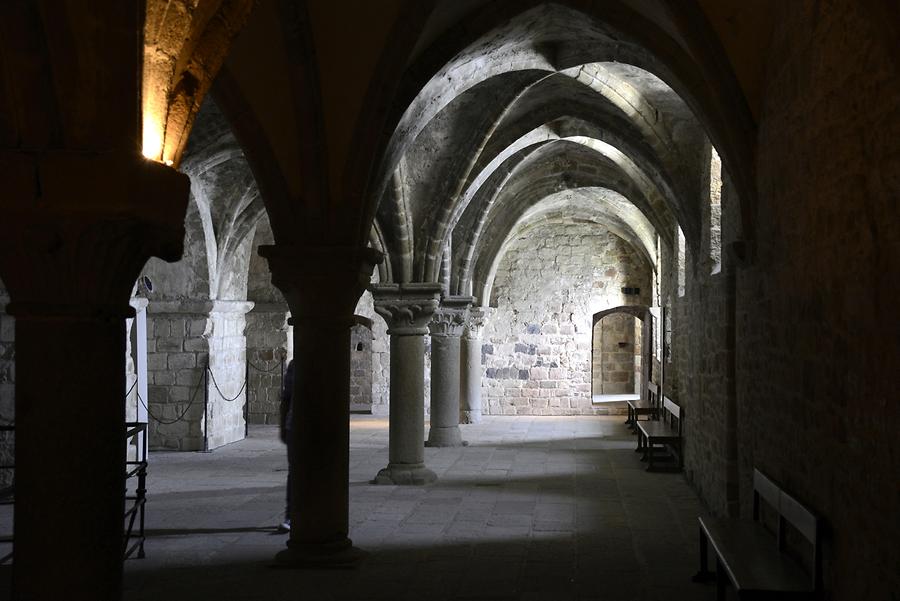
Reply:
x=621, y=342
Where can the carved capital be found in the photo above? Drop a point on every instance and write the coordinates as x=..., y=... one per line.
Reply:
x=477, y=317
x=77, y=228
x=450, y=319
x=321, y=281
x=407, y=308
x=447, y=322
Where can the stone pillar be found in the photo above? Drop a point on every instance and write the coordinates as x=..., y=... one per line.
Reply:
x=227, y=373
x=470, y=376
x=446, y=328
x=407, y=309
x=322, y=286
x=177, y=358
x=75, y=231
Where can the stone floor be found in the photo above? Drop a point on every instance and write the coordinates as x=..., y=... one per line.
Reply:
x=535, y=508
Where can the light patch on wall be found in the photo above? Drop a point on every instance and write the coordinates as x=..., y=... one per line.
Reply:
x=153, y=138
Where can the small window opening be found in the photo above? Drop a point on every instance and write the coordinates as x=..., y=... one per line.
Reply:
x=715, y=211
x=681, y=258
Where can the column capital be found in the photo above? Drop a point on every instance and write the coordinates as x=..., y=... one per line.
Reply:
x=475, y=321
x=407, y=308
x=76, y=228
x=321, y=281
x=450, y=318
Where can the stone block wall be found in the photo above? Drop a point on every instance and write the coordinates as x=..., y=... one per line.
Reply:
x=537, y=342
x=267, y=351
x=361, y=368
x=7, y=386
x=177, y=356
x=817, y=323
x=616, y=354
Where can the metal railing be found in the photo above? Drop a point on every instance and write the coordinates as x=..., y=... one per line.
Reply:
x=136, y=468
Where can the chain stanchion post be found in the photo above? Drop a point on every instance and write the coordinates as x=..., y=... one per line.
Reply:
x=246, y=398
x=206, y=410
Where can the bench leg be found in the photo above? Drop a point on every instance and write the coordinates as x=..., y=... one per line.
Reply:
x=650, y=457
x=704, y=575
x=640, y=443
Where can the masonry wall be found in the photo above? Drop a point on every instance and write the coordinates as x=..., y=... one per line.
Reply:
x=698, y=370
x=177, y=355
x=615, y=354
x=7, y=386
x=817, y=326
x=537, y=342
x=361, y=368
x=268, y=335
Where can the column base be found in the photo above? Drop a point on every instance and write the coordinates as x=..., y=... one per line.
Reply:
x=445, y=437
x=405, y=474
x=338, y=554
x=470, y=417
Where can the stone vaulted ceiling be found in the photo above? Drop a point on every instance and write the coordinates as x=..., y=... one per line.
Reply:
x=551, y=113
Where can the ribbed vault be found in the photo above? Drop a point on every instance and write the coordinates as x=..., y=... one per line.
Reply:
x=550, y=109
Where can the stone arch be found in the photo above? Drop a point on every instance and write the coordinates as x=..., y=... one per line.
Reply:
x=582, y=204
x=621, y=350
x=707, y=84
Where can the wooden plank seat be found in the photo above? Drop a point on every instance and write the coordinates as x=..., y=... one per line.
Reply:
x=666, y=431
x=752, y=559
x=648, y=406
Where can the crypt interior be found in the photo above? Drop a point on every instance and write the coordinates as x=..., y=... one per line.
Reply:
x=484, y=231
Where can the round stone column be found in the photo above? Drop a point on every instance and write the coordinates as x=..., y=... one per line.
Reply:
x=446, y=329
x=470, y=377
x=407, y=309
x=322, y=286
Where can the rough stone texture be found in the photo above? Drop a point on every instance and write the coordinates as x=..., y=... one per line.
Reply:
x=537, y=343
x=228, y=377
x=381, y=355
x=616, y=354
x=269, y=337
x=361, y=369
x=177, y=355
x=267, y=353
x=817, y=387
x=7, y=386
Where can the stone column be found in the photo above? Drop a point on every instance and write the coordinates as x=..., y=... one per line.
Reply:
x=322, y=286
x=75, y=231
x=227, y=373
x=470, y=384
x=407, y=309
x=446, y=329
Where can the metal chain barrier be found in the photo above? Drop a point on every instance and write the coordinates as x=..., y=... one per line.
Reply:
x=183, y=413
x=219, y=390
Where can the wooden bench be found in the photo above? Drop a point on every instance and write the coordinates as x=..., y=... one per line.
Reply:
x=666, y=431
x=648, y=406
x=752, y=559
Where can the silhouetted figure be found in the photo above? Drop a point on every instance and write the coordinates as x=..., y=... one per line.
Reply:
x=287, y=437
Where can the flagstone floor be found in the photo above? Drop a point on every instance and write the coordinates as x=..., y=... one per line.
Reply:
x=535, y=508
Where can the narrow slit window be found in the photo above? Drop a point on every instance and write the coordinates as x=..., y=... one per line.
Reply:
x=715, y=211
x=680, y=256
